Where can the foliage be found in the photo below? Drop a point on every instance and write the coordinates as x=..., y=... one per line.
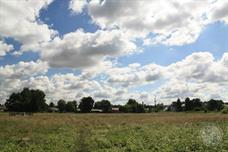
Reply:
x=158, y=107
x=51, y=104
x=27, y=101
x=225, y=110
x=132, y=106
x=61, y=104
x=213, y=105
x=71, y=106
x=104, y=105
x=86, y=104
x=193, y=105
x=178, y=105
x=160, y=132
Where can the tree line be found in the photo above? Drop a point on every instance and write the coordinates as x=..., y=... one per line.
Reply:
x=30, y=100
x=196, y=105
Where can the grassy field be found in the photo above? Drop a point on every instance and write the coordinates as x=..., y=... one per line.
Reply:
x=165, y=132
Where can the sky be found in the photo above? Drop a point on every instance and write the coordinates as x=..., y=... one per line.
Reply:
x=115, y=49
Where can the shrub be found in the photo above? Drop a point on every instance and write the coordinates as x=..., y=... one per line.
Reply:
x=225, y=110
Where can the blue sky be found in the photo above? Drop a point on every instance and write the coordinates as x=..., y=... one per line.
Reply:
x=120, y=60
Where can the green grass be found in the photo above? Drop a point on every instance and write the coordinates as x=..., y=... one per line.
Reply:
x=165, y=132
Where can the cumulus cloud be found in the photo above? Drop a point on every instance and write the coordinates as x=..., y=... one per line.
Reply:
x=200, y=67
x=173, y=22
x=134, y=74
x=20, y=20
x=80, y=49
x=120, y=23
x=77, y=5
x=218, y=11
x=198, y=75
x=16, y=76
x=4, y=48
x=23, y=69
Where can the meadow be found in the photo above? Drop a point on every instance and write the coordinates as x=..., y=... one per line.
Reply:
x=148, y=132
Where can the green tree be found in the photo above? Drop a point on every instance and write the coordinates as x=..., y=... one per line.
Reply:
x=104, y=105
x=140, y=108
x=133, y=106
x=61, y=104
x=86, y=104
x=197, y=104
x=178, y=105
x=213, y=105
x=188, y=104
x=194, y=104
x=159, y=107
x=71, y=106
x=27, y=101
x=51, y=104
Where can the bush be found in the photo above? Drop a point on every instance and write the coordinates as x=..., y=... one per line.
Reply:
x=225, y=110
x=197, y=109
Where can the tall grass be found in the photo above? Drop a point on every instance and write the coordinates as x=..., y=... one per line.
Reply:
x=165, y=132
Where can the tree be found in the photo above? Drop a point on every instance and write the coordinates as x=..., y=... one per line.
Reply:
x=133, y=106
x=104, y=105
x=194, y=104
x=188, y=104
x=213, y=105
x=140, y=108
x=178, y=105
x=51, y=104
x=86, y=104
x=71, y=106
x=197, y=104
x=27, y=101
x=159, y=107
x=61, y=104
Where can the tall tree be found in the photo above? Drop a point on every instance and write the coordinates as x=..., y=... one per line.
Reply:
x=27, y=101
x=213, y=105
x=133, y=106
x=51, y=104
x=197, y=104
x=188, y=104
x=104, y=105
x=178, y=105
x=61, y=104
x=71, y=106
x=86, y=104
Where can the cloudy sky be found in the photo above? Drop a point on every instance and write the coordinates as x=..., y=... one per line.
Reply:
x=115, y=49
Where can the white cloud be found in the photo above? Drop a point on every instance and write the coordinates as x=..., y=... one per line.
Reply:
x=16, y=76
x=174, y=22
x=4, y=48
x=218, y=11
x=23, y=69
x=198, y=75
x=80, y=49
x=134, y=74
x=200, y=67
x=20, y=20
x=77, y=5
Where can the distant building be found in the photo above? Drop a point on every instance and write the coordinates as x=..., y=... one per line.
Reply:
x=53, y=109
x=96, y=110
x=2, y=108
x=115, y=109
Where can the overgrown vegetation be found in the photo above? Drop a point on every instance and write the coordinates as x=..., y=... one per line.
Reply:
x=162, y=132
